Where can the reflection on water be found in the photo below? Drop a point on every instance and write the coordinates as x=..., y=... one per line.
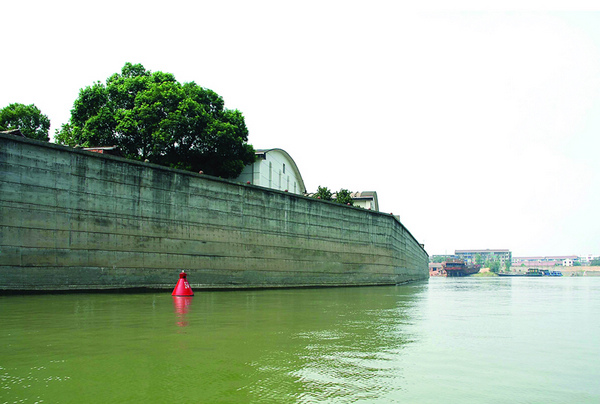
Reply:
x=337, y=344
x=466, y=340
x=182, y=305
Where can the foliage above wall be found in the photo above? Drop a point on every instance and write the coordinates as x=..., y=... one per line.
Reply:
x=343, y=196
x=323, y=193
x=27, y=118
x=151, y=116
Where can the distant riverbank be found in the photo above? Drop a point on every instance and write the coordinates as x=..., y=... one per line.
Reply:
x=579, y=271
x=566, y=271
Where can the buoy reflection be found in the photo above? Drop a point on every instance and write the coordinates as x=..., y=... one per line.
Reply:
x=181, y=304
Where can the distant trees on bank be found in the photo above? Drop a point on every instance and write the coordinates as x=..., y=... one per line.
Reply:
x=494, y=266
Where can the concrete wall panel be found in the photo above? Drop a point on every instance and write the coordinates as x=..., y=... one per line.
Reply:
x=77, y=220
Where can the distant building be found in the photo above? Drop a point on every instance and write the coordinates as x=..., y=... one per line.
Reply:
x=587, y=259
x=545, y=261
x=470, y=256
x=436, y=269
x=275, y=169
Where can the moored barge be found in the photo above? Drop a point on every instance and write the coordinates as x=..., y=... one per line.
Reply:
x=456, y=268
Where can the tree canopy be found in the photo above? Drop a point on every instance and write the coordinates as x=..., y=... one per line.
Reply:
x=151, y=116
x=27, y=118
x=323, y=193
x=493, y=265
x=343, y=196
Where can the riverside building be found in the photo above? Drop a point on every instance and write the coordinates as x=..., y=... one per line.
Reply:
x=470, y=256
x=275, y=169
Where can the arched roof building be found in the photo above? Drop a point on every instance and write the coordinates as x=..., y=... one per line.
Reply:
x=274, y=168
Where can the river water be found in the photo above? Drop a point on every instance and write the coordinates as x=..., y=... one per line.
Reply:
x=448, y=340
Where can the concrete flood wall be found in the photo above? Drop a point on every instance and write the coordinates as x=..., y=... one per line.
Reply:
x=72, y=219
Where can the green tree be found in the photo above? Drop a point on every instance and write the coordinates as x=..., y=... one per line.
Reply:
x=493, y=265
x=28, y=119
x=441, y=258
x=344, y=196
x=478, y=259
x=507, y=265
x=323, y=193
x=151, y=116
x=595, y=262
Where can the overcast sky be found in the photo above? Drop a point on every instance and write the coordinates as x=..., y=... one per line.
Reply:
x=478, y=126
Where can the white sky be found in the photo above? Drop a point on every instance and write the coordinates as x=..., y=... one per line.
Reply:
x=478, y=125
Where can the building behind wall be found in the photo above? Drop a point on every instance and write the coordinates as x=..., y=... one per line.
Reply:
x=366, y=200
x=275, y=169
x=470, y=256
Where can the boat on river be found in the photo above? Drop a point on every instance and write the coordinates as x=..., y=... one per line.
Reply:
x=542, y=272
x=455, y=268
x=534, y=272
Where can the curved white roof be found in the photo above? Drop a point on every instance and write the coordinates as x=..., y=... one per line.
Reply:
x=262, y=153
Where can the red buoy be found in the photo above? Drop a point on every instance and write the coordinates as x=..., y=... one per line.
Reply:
x=183, y=287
